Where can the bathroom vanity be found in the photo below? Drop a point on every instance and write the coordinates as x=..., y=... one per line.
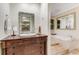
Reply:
x=24, y=45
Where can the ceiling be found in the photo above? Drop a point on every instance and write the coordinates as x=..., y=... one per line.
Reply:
x=56, y=8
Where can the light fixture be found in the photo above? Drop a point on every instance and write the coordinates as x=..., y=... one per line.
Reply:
x=14, y=29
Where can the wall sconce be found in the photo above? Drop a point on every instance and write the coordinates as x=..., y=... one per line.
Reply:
x=14, y=29
x=39, y=30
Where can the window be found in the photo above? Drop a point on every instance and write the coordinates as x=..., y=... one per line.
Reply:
x=26, y=23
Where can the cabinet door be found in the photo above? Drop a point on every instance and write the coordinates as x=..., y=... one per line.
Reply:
x=36, y=49
x=9, y=51
x=15, y=47
x=44, y=44
x=27, y=46
x=32, y=47
x=19, y=50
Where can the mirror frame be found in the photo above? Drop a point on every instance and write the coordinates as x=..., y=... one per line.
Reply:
x=20, y=32
x=73, y=13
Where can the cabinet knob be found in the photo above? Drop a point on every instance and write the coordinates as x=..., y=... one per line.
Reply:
x=40, y=42
x=40, y=47
x=41, y=52
x=13, y=47
x=13, y=53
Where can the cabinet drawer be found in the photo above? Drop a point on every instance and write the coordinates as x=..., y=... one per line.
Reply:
x=13, y=43
x=18, y=50
x=39, y=49
x=9, y=51
x=30, y=41
x=27, y=50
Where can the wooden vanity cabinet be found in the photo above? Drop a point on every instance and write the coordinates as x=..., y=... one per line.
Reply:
x=36, y=45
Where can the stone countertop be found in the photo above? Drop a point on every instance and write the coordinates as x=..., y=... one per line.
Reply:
x=20, y=37
x=3, y=37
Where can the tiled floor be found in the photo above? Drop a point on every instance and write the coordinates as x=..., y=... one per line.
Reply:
x=74, y=52
x=57, y=49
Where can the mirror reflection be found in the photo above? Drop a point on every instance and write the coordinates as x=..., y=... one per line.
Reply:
x=66, y=22
x=26, y=22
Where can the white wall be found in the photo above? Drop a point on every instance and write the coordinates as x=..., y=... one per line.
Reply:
x=15, y=8
x=4, y=9
x=57, y=8
x=44, y=18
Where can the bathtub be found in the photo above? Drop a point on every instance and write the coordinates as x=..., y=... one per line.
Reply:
x=66, y=41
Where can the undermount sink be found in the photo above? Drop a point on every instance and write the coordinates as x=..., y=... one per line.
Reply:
x=28, y=34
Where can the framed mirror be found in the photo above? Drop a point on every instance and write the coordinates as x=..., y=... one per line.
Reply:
x=6, y=23
x=52, y=24
x=66, y=22
x=26, y=23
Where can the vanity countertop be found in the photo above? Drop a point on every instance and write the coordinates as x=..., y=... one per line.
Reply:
x=3, y=37
x=21, y=37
